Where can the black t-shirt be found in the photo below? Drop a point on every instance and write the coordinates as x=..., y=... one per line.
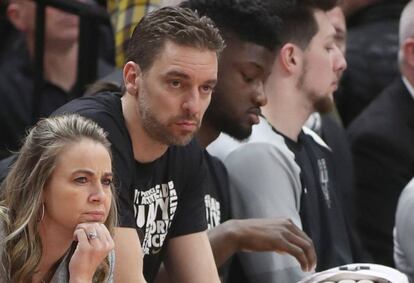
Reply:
x=321, y=209
x=161, y=199
x=216, y=197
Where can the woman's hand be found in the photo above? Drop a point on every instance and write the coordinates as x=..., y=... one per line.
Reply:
x=94, y=244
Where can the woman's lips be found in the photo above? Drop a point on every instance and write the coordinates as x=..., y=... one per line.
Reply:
x=95, y=216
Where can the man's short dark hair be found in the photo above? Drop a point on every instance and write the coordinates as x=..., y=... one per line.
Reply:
x=179, y=25
x=248, y=20
x=298, y=25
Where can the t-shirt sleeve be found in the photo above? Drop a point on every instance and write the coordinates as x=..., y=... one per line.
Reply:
x=191, y=213
x=264, y=183
x=222, y=175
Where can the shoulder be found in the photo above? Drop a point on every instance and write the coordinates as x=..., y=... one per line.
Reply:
x=369, y=127
x=274, y=151
x=261, y=166
x=186, y=162
x=104, y=108
x=215, y=166
x=406, y=202
x=404, y=224
x=188, y=154
x=382, y=115
x=315, y=138
x=214, y=161
x=222, y=146
x=374, y=136
x=100, y=103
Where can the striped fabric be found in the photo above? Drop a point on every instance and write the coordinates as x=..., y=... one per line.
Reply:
x=125, y=14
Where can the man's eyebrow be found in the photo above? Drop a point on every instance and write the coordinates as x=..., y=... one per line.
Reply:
x=255, y=65
x=211, y=82
x=331, y=35
x=108, y=174
x=182, y=75
x=178, y=74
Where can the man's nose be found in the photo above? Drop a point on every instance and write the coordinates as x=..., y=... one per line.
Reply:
x=191, y=102
x=260, y=98
x=340, y=61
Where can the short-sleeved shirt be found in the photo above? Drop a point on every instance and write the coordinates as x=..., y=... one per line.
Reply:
x=273, y=176
x=216, y=196
x=321, y=211
x=160, y=199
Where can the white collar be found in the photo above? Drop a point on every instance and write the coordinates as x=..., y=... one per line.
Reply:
x=409, y=86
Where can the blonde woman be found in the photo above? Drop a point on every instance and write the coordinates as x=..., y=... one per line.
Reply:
x=56, y=208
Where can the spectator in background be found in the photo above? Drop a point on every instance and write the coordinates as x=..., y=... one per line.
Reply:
x=17, y=111
x=382, y=139
x=8, y=33
x=125, y=14
x=57, y=212
x=372, y=48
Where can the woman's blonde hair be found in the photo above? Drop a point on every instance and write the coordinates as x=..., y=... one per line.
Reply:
x=21, y=193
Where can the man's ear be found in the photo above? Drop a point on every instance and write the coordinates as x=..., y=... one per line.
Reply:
x=17, y=16
x=409, y=52
x=132, y=76
x=290, y=57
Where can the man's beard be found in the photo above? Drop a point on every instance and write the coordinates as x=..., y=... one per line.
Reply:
x=223, y=122
x=159, y=131
x=324, y=104
x=321, y=104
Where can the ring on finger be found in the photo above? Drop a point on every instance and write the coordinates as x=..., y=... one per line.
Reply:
x=92, y=235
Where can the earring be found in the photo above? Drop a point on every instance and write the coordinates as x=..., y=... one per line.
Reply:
x=43, y=213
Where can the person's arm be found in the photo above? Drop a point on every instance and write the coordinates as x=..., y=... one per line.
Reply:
x=265, y=183
x=279, y=235
x=128, y=256
x=189, y=260
x=94, y=243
